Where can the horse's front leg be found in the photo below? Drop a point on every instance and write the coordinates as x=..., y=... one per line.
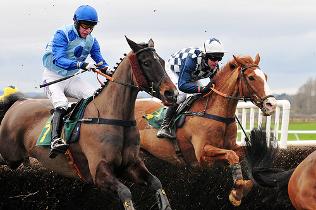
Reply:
x=106, y=180
x=138, y=172
x=241, y=187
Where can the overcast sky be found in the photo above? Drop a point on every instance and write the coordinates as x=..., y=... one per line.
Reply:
x=283, y=32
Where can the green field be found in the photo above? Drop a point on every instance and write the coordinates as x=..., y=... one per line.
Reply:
x=297, y=126
x=302, y=126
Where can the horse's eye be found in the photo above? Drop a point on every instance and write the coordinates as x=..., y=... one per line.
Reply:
x=251, y=78
x=146, y=63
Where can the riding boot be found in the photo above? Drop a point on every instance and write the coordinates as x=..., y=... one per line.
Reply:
x=167, y=128
x=58, y=144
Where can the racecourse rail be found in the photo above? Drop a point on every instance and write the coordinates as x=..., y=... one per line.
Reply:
x=276, y=125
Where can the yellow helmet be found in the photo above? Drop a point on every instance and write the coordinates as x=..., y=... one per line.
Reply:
x=8, y=91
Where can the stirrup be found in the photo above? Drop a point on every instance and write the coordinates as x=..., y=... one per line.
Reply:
x=58, y=146
x=166, y=132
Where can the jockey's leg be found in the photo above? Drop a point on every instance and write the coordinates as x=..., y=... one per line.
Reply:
x=167, y=129
x=241, y=187
x=105, y=179
x=140, y=175
x=58, y=144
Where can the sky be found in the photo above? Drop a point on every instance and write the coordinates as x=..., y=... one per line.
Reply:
x=283, y=32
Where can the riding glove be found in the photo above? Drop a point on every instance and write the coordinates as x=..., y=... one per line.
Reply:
x=207, y=88
x=89, y=66
x=107, y=70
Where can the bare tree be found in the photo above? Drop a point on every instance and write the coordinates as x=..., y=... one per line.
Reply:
x=304, y=101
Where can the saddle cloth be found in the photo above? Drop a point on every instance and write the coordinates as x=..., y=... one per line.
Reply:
x=71, y=129
x=155, y=119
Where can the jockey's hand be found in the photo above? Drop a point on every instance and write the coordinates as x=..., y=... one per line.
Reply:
x=89, y=66
x=108, y=70
x=207, y=88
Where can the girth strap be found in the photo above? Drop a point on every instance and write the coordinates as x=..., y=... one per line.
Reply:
x=124, y=123
x=226, y=120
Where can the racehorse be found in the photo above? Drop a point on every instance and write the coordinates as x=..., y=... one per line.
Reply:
x=104, y=152
x=209, y=132
x=299, y=183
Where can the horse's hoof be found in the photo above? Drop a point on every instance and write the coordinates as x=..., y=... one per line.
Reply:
x=248, y=184
x=233, y=198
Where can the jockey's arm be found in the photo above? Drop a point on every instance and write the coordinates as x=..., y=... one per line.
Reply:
x=95, y=53
x=59, y=48
x=185, y=84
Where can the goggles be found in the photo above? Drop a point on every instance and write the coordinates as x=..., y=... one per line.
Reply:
x=215, y=56
x=86, y=26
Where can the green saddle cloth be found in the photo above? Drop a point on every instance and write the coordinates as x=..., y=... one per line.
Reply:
x=155, y=119
x=71, y=128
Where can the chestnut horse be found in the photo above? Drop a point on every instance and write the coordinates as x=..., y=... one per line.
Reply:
x=203, y=141
x=299, y=183
x=104, y=152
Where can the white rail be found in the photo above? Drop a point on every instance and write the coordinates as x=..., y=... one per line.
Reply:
x=276, y=125
x=247, y=110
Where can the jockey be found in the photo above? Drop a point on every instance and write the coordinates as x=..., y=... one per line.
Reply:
x=187, y=67
x=65, y=55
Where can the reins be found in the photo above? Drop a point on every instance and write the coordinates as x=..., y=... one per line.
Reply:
x=138, y=75
x=258, y=101
x=253, y=98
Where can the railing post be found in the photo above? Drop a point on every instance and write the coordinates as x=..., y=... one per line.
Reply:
x=285, y=122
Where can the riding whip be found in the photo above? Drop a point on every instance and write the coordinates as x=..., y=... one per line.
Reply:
x=64, y=78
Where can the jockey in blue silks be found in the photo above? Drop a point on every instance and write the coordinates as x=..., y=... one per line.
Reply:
x=186, y=68
x=65, y=55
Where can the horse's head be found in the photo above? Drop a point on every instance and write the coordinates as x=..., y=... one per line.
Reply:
x=151, y=76
x=252, y=83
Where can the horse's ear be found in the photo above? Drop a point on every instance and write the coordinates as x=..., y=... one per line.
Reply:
x=237, y=60
x=134, y=46
x=257, y=59
x=151, y=43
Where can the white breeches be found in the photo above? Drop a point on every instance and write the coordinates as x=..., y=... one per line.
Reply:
x=74, y=87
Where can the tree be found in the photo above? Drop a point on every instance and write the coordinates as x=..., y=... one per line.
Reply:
x=304, y=101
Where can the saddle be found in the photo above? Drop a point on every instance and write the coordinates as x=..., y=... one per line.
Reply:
x=155, y=119
x=71, y=129
x=183, y=107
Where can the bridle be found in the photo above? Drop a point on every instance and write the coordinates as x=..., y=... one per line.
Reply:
x=141, y=80
x=253, y=97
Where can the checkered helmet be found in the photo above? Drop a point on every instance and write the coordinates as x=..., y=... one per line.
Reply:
x=213, y=45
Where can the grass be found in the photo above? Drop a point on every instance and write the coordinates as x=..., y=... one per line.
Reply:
x=297, y=126
x=302, y=126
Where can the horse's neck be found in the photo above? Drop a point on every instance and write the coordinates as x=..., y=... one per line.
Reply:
x=116, y=99
x=226, y=83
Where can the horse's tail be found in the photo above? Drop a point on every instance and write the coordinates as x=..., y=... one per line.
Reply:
x=9, y=97
x=260, y=158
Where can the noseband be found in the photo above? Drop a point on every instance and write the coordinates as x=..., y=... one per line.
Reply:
x=254, y=98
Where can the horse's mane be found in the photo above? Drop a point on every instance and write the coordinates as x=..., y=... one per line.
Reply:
x=98, y=91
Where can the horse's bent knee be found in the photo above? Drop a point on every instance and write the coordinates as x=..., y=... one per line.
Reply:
x=232, y=157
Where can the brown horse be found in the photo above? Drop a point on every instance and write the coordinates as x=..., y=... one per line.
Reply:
x=202, y=140
x=299, y=183
x=104, y=151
